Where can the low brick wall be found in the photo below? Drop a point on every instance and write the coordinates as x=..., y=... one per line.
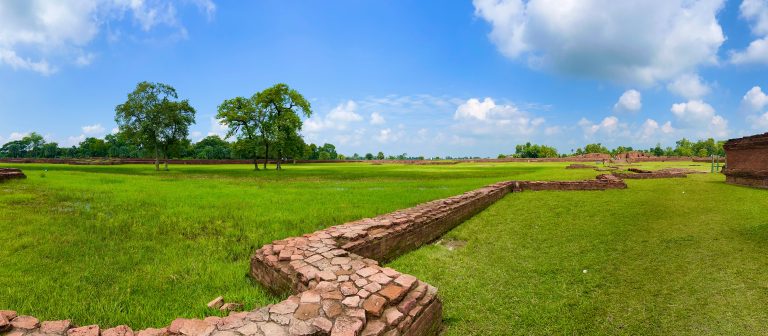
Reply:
x=11, y=173
x=654, y=175
x=747, y=162
x=336, y=284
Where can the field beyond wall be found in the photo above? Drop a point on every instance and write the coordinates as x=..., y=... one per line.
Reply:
x=124, y=244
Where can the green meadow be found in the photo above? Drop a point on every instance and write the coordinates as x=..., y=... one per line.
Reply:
x=124, y=244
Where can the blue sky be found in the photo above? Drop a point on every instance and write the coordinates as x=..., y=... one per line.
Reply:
x=418, y=77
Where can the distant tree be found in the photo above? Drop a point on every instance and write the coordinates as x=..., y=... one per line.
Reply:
x=35, y=144
x=330, y=149
x=684, y=147
x=154, y=117
x=282, y=107
x=212, y=148
x=355, y=156
x=380, y=156
x=247, y=123
x=657, y=151
x=341, y=157
x=324, y=156
x=368, y=156
x=595, y=148
x=529, y=150
x=92, y=147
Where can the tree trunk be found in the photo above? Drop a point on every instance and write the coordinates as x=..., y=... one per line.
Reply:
x=166, y=162
x=157, y=160
x=279, y=159
x=255, y=163
x=266, y=155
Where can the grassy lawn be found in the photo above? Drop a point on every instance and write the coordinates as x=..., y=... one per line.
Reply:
x=664, y=257
x=128, y=245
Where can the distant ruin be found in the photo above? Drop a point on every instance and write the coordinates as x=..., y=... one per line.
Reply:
x=11, y=173
x=747, y=161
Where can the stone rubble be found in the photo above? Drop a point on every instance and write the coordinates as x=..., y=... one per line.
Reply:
x=11, y=173
x=336, y=283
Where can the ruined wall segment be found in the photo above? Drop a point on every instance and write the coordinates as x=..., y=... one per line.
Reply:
x=333, y=276
x=10, y=174
x=747, y=161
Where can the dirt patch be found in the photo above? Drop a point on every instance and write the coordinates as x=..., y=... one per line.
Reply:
x=451, y=244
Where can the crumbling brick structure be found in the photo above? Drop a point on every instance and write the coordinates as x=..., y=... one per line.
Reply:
x=11, y=173
x=747, y=161
x=334, y=276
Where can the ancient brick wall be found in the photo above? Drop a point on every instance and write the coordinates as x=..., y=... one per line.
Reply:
x=336, y=284
x=11, y=173
x=747, y=161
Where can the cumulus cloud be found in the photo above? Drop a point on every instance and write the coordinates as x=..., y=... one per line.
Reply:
x=759, y=122
x=338, y=118
x=650, y=130
x=689, y=86
x=483, y=117
x=608, y=126
x=73, y=140
x=34, y=31
x=701, y=116
x=217, y=128
x=754, y=100
x=630, y=101
x=756, y=12
x=387, y=135
x=630, y=41
x=94, y=129
x=17, y=136
x=377, y=118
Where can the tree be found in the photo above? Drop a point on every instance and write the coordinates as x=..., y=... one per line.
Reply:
x=92, y=147
x=595, y=148
x=34, y=143
x=534, y=151
x=152, y=117
x=212, y=148
x=380, y=156
x=247, y=123
x=684, y=147
x=281, y=106
x=368, y=156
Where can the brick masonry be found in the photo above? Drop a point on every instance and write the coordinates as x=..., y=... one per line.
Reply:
x=11, y=173
x=333, y=276
x=747, y=161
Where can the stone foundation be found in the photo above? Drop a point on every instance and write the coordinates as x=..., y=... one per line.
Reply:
x=334, y=279
x=11, y=173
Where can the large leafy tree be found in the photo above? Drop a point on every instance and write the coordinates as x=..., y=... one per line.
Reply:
x=153, y=117
x=282, y=107
x=247, y=123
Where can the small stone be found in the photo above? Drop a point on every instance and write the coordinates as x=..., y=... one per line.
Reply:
x=346, y=326
x=372, y=287
x=333, y=295
x=405, y=280
x=393, y=316
x=153, y=332
x=332, y=308
x=323, y=324
x=351, y=301
x=392, y=292
x=191, y=327
x=121, y=330
x=225, y=333
x=56, y=327
x=325, y=276
x=343, y=278
x=259, y=315
x=380, y=278
x=9, y=314
x=348, y=288
x=216, y=303
x=307, y=311
x=285, y=307
x=230, y=322
x=374, y=305
x=282, y=319
x=91, y=330
x=250, y=329
x=4, y=323
x=25, y=322
x=363, y=293
x=374, y=328
x=231, y=306
x=273, y=329
x=368, y=271
x=310, y=296
x=407, y=304
x=390, y=272
x=314, y=258
x=361, y=282
x=340, y=261
x=302, y=328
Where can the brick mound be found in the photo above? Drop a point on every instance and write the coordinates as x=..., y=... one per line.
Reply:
x=580, y=166
x=636, y=173
x=747, y=162
x=338, y=286
x=11, y=173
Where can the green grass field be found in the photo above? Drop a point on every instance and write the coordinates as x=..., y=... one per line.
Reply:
x=664, y=257
x=128, y=245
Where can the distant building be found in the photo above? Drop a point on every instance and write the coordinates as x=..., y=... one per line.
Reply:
x=747, y=161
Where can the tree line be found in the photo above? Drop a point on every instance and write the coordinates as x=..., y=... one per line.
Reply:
x=683, y=147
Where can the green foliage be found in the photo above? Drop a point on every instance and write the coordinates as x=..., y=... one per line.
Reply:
x=154, y=118
x=534, y=151
x=596, y=148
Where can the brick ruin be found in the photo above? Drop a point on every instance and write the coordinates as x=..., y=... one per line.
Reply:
x=334, y=277
x=747, y=161
x=11, y=173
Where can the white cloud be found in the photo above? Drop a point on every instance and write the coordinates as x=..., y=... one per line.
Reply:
x=73, y=140
x=701, y=117
x=650, y=130
x=759, y=122
x=486, y=117
x=17, y=136
x=387, y=135
x=629, y=41
x=36, y=33
x=608, y=126
x=95, y=129
x=338, y=118
x=377, y=119
x=754, y=100
x=217, y=128
x=630, y=101
x=689, y=86
x=114, y=130
x=756, y=12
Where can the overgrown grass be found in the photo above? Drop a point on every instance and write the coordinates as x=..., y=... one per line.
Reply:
x=127, y=245
x=664, y=257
